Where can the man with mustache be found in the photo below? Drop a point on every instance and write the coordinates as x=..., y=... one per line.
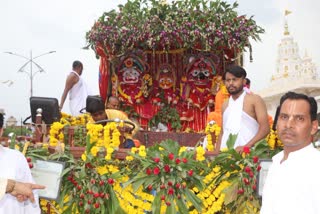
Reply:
x=243, y=114
x=292, y=184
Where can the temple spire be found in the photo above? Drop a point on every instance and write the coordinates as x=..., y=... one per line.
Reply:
x=286, y=27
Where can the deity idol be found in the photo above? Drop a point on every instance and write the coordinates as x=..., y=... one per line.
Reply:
x=134, y=83
x=166, y=90
x=198, y=90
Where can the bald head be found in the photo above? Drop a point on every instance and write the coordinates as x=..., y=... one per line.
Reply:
x=112, y=103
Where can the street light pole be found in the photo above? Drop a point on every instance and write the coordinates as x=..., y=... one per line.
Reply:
x=30, y=60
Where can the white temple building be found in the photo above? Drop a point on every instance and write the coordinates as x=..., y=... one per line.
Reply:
x=293, y=73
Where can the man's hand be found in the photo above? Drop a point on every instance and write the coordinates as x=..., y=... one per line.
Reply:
x=239, y=149
x=23, y=191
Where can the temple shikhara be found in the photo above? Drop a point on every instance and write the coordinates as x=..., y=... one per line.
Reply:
x=292, y=73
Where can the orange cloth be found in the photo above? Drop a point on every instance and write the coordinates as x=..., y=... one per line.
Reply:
x=270, y=119
x=216, y=115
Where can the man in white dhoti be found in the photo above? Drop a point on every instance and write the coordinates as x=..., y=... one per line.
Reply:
x=243, y=114
x=292, y=184
x=77, y=89
x=14, y=166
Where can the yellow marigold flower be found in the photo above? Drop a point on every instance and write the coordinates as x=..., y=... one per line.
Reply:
x=94, y=150
x=108, y=157
x=102, y=170
x=110, y=150
x=216, y=169
x=129, y=158
x=84, y=157
x=227, y=174
x=142, y=153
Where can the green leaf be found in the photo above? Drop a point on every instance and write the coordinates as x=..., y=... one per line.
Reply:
x=197, y=203
x=231, y=140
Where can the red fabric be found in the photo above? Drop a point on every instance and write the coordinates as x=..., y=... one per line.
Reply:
x=104, y=76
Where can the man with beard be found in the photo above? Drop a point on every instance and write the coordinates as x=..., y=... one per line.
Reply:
x=243, y=114
x=292, y=184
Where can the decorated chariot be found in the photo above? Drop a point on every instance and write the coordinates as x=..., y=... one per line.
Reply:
x=165, y=63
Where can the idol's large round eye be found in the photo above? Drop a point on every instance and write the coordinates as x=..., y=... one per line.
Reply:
x=195, y=73
x=206, y=73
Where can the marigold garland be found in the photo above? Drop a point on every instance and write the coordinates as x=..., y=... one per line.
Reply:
x=211, y=128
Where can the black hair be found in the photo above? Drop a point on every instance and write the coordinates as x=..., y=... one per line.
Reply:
x=77, y=64
x=94, y=104
x=235, y=70
x=248, y=81
x=296, y=96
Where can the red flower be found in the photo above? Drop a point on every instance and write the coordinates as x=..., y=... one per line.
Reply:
x=246, y=181
x=169, y=183
x=163, y=197
x=168, y=203
x=97, y=205
x=150, y=187
x=255, y=159
x=156, y=170
x=240, y=191
x=259, y=168
x=110, y=181
x=96, y=195
x=162, y=186
x=178, y=185
x=247, y=169
x=157, y=160
x=190, y=172
x=148, y=171
x=251, y=174
x=170, y=191
x=246, y=150
x=184, y=160
x=167, y=168
x=171, y=156
x=178, y=161
x=254, y=187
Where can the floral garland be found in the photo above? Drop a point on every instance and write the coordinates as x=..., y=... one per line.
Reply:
x=127, y=97
x=210, y=129
x=56, y=134
x=273, y=140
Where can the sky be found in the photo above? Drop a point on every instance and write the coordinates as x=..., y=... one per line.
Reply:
x=41, y=26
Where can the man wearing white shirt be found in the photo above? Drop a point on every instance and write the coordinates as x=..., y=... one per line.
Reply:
x=292, y=184
x=14, y=166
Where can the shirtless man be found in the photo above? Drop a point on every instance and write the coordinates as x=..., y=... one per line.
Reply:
x=77, y=89
x=243, y=114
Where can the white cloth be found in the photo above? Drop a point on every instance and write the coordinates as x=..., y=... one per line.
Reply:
x=236, y=121
x=3, y=186
x=14, y=166
x=293, y=186
x=78, y=95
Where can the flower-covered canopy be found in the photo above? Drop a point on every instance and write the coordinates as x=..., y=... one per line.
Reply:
x=182, y=24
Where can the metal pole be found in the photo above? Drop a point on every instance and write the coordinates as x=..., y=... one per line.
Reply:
x=31, y=61
x=31, y=75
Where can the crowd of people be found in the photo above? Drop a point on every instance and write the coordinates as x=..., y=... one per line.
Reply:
x=292, y=182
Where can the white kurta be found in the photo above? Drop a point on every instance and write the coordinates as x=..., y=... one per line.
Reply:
x=78, y=96
x=3, y=187
x=236, y=121
x=293, y=186
x=14, y=166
